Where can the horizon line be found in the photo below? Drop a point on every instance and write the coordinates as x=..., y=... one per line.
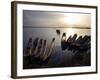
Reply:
x=57, y=27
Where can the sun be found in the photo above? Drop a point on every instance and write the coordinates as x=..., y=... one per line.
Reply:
x=72, y=19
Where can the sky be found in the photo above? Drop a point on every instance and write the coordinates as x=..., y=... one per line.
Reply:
x=55, y=19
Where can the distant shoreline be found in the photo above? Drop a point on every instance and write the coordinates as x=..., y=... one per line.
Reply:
x=58, y=27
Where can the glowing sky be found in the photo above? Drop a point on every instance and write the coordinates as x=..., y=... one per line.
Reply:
x=55, y=19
